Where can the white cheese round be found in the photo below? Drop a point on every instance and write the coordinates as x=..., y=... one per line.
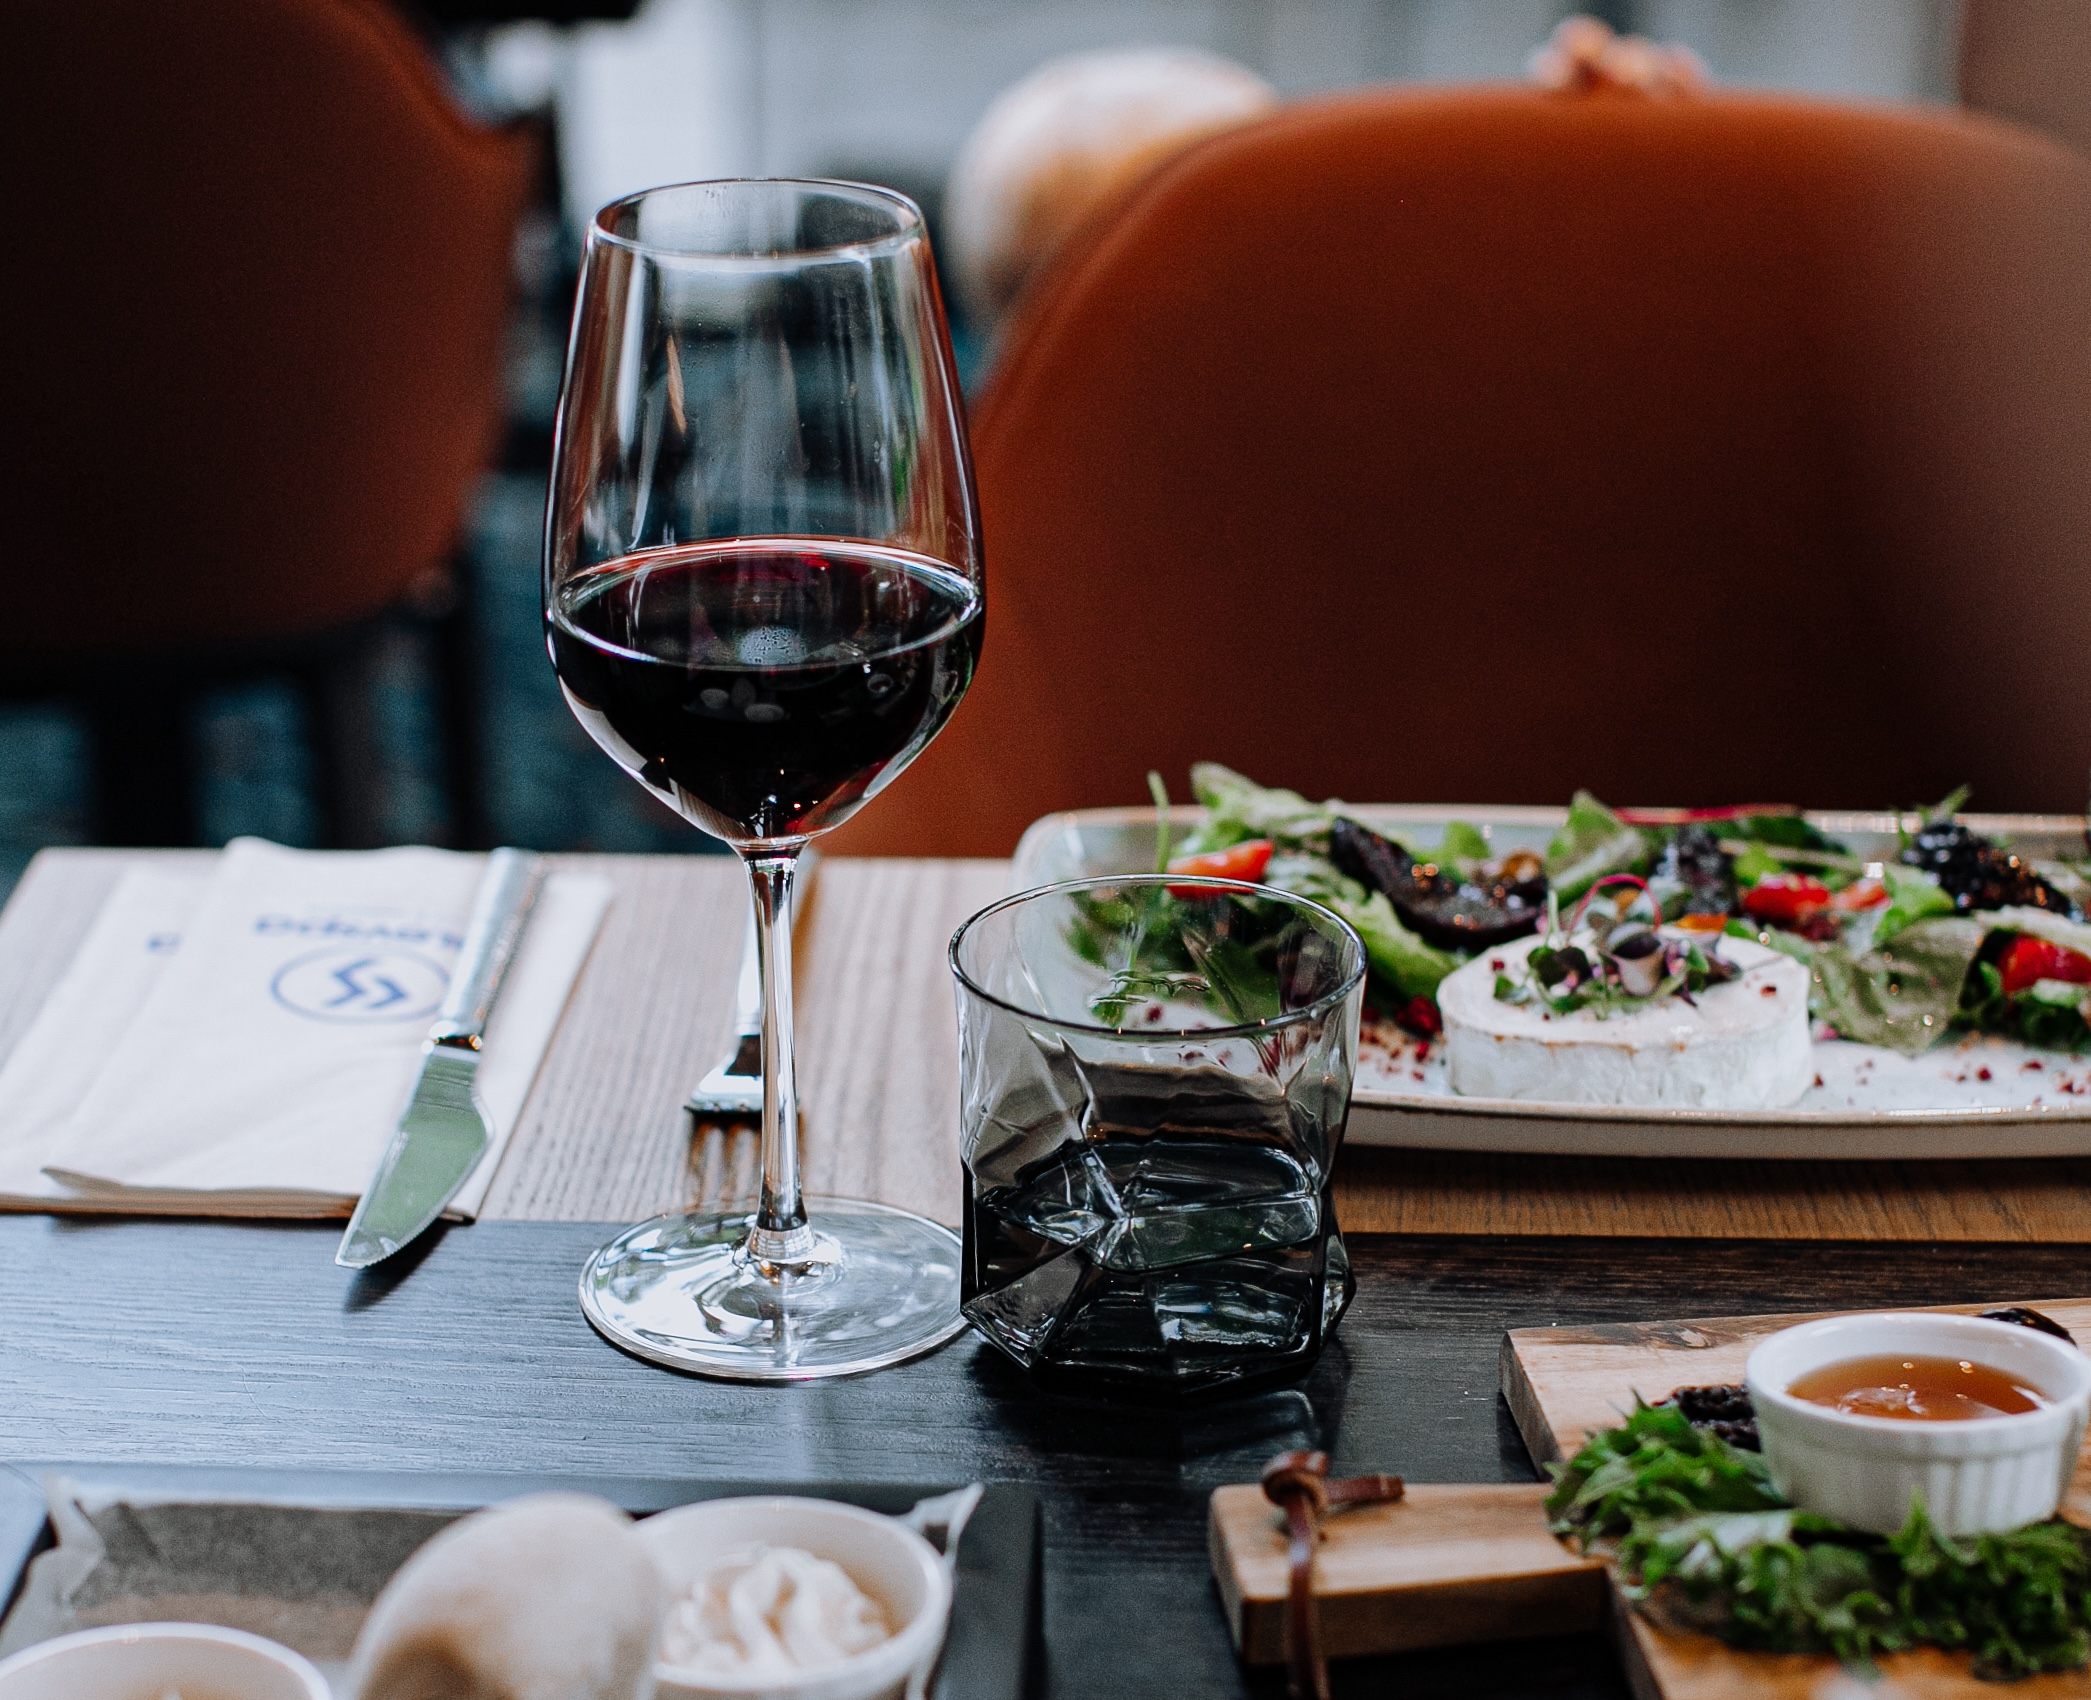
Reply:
x=1742, y=1045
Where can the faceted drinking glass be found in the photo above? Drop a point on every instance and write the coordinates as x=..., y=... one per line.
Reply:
x=1155, y=1073
x=763, y=599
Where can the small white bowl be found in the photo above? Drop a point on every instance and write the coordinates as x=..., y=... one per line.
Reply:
x=1977, y=1477
x=146, y=1661
x=891, y=1563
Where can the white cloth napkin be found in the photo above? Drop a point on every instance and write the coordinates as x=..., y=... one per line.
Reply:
x=268, y=1054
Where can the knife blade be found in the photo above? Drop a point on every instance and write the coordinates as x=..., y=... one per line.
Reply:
x=444, y=1131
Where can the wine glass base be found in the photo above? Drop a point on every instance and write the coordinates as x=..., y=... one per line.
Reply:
x=881, y=1287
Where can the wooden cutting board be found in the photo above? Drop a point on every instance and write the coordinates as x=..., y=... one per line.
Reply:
x=1563, y=1383
x=1454, y=1564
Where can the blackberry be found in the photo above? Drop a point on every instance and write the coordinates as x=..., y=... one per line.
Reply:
x=1976, y=874
x=1696, y=861
x=1726, y=1412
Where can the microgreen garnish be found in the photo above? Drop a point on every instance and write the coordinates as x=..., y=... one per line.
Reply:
x=1612, y=956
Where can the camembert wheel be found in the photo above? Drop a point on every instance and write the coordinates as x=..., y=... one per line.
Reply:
x=1742, y=1045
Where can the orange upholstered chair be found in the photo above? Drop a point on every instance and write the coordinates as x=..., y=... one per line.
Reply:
x=1475, y=446
x=255, y=305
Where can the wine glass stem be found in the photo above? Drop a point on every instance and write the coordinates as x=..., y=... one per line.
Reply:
x=780, y=1235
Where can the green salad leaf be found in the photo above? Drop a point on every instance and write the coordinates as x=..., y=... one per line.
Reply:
x=1918, y=978
x=1238, y=809
x=1593, y=842
x=2047, y=1014
x=1703, y=1538
x=1130, y=932
x=1790, y=832
x=1653, y=1467
x=1160, y=793
x=1399, y=959
x=1754, y=862
x=1949, y=805
x=1913, y=895
x=1904, y=994
x=1463, y=843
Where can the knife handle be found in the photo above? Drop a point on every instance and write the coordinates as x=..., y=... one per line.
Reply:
x=507, y=893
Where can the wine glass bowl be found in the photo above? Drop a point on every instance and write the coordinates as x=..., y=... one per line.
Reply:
x=763, y=599
x=764, y=689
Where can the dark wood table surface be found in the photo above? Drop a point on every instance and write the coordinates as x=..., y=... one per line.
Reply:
x=242, y=1346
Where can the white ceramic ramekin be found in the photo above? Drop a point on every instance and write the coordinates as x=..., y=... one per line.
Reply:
x=147, y=1661
x=891, y=1563
x=1978, y=1476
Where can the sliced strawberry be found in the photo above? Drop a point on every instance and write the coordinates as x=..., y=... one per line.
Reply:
x=2027, y=959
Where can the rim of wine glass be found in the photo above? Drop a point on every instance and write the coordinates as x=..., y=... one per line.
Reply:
x=912, y=228
x=1292, y=1017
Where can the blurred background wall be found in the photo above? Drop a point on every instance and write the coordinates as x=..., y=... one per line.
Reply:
x=889, y=88
x=885, y=90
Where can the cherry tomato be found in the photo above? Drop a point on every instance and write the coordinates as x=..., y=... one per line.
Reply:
x=1245, y=861
x=2027, y=959
x=1860, y=894
x=1786, y=898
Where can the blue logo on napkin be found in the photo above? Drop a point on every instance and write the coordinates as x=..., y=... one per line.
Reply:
x=354, y=983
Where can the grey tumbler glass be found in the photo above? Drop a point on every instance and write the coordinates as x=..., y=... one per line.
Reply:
x=1155, y=1073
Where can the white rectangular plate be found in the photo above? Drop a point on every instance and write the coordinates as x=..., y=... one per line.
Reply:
x=1972, y=1097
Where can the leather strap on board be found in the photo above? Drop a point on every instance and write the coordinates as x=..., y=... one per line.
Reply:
x=1298, y=1483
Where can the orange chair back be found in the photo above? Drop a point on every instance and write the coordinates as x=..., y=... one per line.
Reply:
x=256, y=299
x=1476, y=446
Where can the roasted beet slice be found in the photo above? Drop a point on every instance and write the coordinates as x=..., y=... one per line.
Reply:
x=1433, y=902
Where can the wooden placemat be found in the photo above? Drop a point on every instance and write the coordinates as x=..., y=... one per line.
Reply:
x=604, y=1137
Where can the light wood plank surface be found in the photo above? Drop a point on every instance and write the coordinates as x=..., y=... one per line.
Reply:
x=604, y=1136
x=2034, y=1200
x=1443, y=1566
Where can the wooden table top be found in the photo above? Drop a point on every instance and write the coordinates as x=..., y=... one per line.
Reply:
x=604, y=1138
x=242, y=1346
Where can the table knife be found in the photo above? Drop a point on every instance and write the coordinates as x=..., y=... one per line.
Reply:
x=444, y=1132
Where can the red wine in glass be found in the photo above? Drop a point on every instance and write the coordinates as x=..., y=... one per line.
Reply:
x=763, y=688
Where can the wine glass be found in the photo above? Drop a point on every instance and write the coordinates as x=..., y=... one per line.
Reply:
x=763, y=599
